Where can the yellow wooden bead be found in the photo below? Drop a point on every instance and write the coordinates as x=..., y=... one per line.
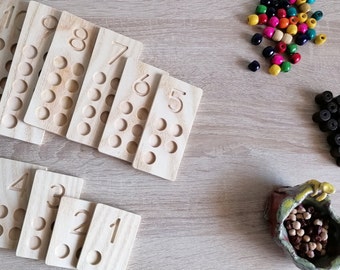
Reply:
x=278, y=35
x=292, y=29
x=300, y=2
x=253, y=19
x=311, y=22
x=287, y=38
x=320, y=39
x=305, y=8
x=274, y=70
x=302, y=17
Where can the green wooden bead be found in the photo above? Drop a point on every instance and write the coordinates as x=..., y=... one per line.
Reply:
x=292, y=48
x=286, y=66
x=261, y=9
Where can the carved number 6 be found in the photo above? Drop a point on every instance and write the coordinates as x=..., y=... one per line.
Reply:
x=58, y=192
x=78, y=42
x=142, y=87
x=175, y=101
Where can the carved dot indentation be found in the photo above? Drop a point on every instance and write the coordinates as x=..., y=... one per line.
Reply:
x=42, y=113
x=104, y=116
x=39, y=223
x=35, y=243
x=50, y=22
x=115, y=141
x=3, y=211
x=83, y=128
x=14, y=103
x=62, y=251
x=142, y=114
x=78, y=69
x=72, y=86
x=161, y=124
x=30, y=51
x=89, y=111
x=131, y=147
x=13, y=48
x=120, y=124
x=19, y=86
x=109, y=100
x=93, y=94
x=176, y=130
x=171, y=147
x=25, y=68
x=14, y=234
x=9, y=121
x=3, y=82
x=126, y=107
x=78, y=252
x=149, y=158
x=54, y=79
x=99, y=78
x=60, y=62
x=8, y=65
x=2, y=44
x=1, y=230
x=115, y=83
x=48, y=96
x=19, y=215
x=93, y=257
x=155, y=140
x=137, y=131
x=66, y=102
x=60, y=119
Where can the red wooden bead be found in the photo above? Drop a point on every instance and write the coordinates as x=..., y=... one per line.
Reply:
x=281, y=47
x=295, y=58
x=263, y=19
x=281, y=13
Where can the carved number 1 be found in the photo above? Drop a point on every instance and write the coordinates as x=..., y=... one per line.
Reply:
x=115, y=226
x=9, y=13
x=120, y=53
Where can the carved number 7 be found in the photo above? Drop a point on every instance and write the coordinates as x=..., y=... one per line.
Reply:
x=120, y=52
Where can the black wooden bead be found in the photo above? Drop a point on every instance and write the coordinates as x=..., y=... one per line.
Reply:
x=256, y=39
x=332, y=107
x=321, y=116
x=269, y=51
x=266, y=2
x=335, y=152
x=254, y=66
x=333, y=139
x=324, y=97
x=337, y=100
x=271, y=12
x=275, y=3
x=301, y=39
x=330, y=125
x=284, y=4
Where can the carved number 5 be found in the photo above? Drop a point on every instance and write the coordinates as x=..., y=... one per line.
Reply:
x=57, y=192
x=175, y=101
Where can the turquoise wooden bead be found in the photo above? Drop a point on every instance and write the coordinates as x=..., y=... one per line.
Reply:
x=310, y=1
x=311, y=33
x=317, y=15
x=261, y=9
x=292, y=48
x=291, y=11
x=286, y=66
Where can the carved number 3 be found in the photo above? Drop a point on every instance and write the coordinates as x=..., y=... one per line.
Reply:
x=57, y=192
x=78, y=41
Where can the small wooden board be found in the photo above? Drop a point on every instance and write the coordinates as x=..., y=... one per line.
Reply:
x=110, y=239
x=15, y=187
x=47, y=190
x=61, y=78
x=100, y=86
x=13, y=14
x=34, y=41
x=168, y=127
x=130, y=110
x=69, y=232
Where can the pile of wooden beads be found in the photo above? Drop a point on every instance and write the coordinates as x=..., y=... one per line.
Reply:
x=327, y=117
x=288, y=23
x=308, y=232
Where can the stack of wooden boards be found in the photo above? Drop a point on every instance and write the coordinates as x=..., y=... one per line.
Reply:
x=42, y=217
x=67, y=76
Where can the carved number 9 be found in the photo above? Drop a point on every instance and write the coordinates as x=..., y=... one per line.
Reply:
x=78, y=42
x=175, y=101
x=58, y=191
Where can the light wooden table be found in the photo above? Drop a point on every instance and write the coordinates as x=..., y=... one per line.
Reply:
x=252, y=132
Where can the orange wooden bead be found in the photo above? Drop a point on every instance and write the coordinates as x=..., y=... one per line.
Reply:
x=293, y=20
x=284, y=22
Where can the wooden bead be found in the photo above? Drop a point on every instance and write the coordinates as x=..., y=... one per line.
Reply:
x=277, y=59
x=253, y=19
x=301, y=39
x=273, y=21
x=295, y=58
x=293, y=20
x=281, y=47
x=263, y=19
x=305, y=8
x=254, y=66
x=291, y=11
x=292, y=48
x=271, y=12
x=292, y=29
x=286, y=66
x=268, y=52
x=284, y=22
x=300, y=2
x=278, y=35
x=320, y=39
x=302, y=28
x=302, y=17
x=261, y=9
x=317, y=15
x=287, y=38
x=268, y=32
x=311, y=33
x=274, y=70
x=311, y=22
x=310, y=1
x=256, y=39
x=281, y=13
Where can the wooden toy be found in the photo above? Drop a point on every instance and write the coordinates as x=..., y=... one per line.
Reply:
x=110, y=239
x=69, y=232
x=100, y=86
x=15, y=187
x=167, y=129
x=130, y=110
x=34, y=41
x=61, y=78
x=47, y=190
x=12, y=17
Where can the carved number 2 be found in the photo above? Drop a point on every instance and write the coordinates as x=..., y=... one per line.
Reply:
x=115, y=226
x=120, y=53
x=81, y=229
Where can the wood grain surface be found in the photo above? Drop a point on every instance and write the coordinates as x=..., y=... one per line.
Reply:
x=252, y=132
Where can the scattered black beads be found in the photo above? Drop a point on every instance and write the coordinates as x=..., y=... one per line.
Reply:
x=254, y=66
x=256, y=39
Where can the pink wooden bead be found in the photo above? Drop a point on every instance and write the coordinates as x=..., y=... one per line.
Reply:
x=268, y=32
x=273, y=21
x=302, y=28
x=277, y=59
x=292, y=2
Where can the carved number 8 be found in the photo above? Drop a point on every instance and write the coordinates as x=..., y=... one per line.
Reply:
x=78, y=42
